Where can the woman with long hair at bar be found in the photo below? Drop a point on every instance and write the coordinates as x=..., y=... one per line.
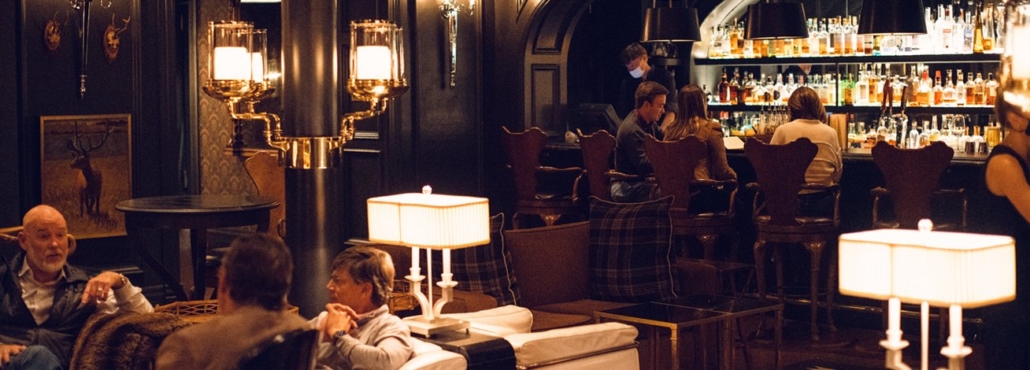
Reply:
x=694, y=121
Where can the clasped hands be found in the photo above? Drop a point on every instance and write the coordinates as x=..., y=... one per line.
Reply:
x=338, y=317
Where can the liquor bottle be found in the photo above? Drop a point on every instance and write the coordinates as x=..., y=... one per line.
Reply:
x=948, y=97
x=927, y=41
x=963, y=142
x=978, y=33
x=715, y=46
x=963, y=33
x=944, y=28
x=778, y=89
x=724, y=89
x=749, y=49
x=847, y=87
x=912, y=82
x=979, y=97
x=861, y=87
x=990, y=89
x=938, y=90
x=924, y=89
x=735, y=35
x=935, y=134
x=992, y=134
x=849, y=31
x=979, y=144
x=924, y=135
x=790, y=87
x=735, y=85
x=867, y=44
x=897, y=90
x=837, y=34
x=970, y=89
x=912, y=142
x=824, y=40
x=811, y=44
x=960, y=89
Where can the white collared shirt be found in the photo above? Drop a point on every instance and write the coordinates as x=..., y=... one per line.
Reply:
x=39, y=297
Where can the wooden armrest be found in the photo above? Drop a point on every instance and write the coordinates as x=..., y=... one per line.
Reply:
x=549, y=170
x=752, y=186
x=614, y=175
x=727, y=185
x=961, y=191
x=879, y=192
x=821, y=187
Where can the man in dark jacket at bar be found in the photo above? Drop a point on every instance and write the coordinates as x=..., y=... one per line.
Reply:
x=45, y=301
x=629, y=142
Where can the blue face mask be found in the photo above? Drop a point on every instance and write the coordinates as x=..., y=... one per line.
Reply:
x=637, y=73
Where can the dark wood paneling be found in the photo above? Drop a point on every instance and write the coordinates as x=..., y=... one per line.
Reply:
x=10, y=106
x=365, y=171
x=545, y=97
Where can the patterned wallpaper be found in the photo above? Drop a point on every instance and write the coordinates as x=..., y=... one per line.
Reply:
x=219, y=173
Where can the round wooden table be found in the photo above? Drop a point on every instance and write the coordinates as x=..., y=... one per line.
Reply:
x=196, y=213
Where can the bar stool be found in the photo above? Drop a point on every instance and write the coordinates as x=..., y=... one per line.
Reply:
x=544, y=191
x=912, y=179
x=597, y=150
x=780, y=171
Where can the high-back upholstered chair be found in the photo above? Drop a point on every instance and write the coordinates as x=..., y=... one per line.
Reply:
x=544, y=191
x=911, y=179
x=674, y=163
x=780, y=171
x=288, y=351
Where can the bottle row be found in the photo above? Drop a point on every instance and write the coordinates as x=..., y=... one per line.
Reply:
x=949, y=30
x=968, y=135
x=872, y=87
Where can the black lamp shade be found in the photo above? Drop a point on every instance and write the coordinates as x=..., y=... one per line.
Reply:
x=898, y=17
x=671, y=24
x=776, y=21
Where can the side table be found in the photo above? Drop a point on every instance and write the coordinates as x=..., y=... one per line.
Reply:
x=734, y=309
x=657, y=315
x=483, y=352
x=196, y=213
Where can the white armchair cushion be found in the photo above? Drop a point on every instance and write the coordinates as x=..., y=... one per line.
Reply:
x=532, y=349
x=429, y=356
x=500, y=321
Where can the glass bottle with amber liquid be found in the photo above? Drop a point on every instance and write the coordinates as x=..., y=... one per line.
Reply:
x=960, y=89
x=938, y=90
x=990, y=89
x=978, y=90
x=724, y=89
x=970, y=89
x=924, y=89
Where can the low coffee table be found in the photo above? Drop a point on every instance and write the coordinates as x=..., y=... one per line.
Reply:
x=695, y=310
x=734, y=308
x=658, y=315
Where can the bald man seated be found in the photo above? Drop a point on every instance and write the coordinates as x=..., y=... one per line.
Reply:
x=44, y=301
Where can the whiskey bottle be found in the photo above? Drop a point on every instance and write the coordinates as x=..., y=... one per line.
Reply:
x=960, y=89
x=938, y=90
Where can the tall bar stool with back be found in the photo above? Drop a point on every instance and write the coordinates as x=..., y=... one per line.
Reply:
x=544, y=191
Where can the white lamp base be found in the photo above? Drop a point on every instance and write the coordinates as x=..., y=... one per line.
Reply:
x=427, y=328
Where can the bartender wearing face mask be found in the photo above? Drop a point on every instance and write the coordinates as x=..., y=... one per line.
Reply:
x=634, y=57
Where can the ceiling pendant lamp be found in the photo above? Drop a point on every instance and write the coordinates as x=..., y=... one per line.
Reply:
x=776, y=20
x=897, y=17
x=671, y=24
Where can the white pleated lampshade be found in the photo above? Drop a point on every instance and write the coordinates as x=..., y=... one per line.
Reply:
x=940, y=268
x=433, y=221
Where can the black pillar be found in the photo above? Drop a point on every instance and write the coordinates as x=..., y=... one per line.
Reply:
x=314, y=204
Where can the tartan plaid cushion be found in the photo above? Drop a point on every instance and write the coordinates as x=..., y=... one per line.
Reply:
x=487, y=268
x=630, y=257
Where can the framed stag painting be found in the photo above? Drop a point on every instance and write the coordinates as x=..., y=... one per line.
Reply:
x=86, y=169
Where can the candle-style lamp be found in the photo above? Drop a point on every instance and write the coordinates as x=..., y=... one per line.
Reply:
x=431, y=222
x=940, y=269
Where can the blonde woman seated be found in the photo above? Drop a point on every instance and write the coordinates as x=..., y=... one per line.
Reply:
x=693, y=121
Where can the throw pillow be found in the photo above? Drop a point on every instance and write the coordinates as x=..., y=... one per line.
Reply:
x=487, y=268
x=630, y=257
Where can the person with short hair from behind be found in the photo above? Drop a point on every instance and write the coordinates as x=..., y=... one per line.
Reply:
x=45, y=302
x=357, y=329
x=807, y=115
x=252, y=285
x=629, y=143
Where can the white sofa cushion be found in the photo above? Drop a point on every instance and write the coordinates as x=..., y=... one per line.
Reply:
x=532, y=349
x=501, y=321
x=429, y=356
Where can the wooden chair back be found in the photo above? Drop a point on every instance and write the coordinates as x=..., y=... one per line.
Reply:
x=780, y=172
x=674, y=163
x=912, y=176
x=522, y=151
x=597, y=149
x=270, y=180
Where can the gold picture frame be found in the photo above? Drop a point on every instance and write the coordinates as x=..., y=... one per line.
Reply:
x=86, y=169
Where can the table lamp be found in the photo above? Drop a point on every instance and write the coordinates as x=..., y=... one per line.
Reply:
x=431, y=222
x=942, y=269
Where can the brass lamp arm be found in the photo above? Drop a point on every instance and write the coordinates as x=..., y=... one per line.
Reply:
x=273, y=129
x=377, y=107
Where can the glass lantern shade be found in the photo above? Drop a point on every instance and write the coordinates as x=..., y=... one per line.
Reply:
x=230, y=60
x=376, y=61
x=260, y=84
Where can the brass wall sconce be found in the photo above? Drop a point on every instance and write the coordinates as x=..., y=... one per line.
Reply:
x=450, y=10
x=83, y=7
x=238, y=73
